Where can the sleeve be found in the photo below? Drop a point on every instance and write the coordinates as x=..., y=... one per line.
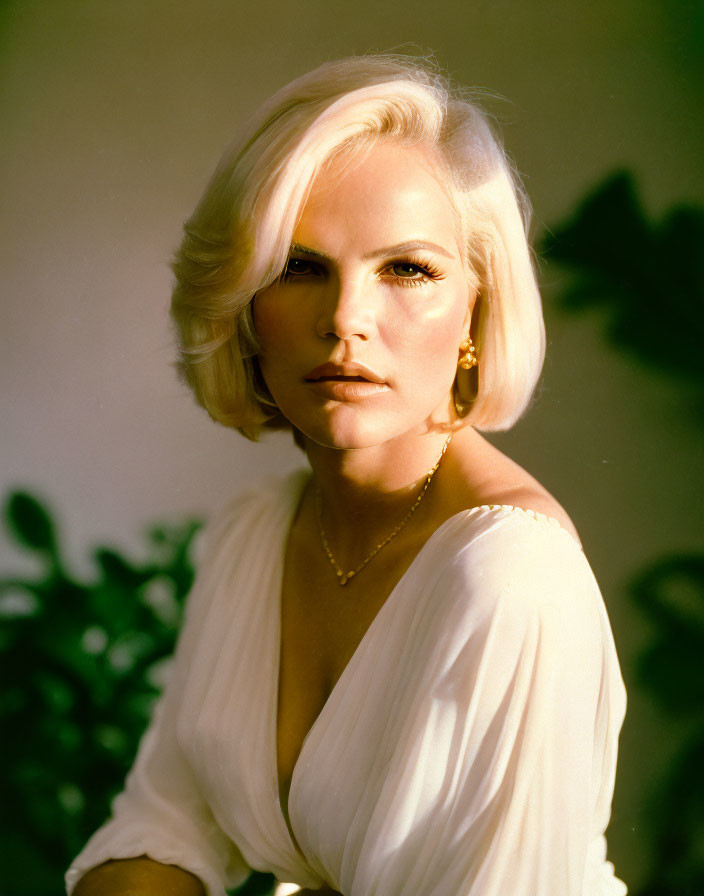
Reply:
x=161, y=811
x=540, y=702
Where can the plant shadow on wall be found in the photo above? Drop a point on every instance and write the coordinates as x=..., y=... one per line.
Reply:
x=649, y=281
x=81, y=664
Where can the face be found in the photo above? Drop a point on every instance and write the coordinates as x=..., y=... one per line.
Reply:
x=360, y=336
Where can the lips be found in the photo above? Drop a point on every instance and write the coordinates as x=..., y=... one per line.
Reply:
x=347, y=372
x=349, y=382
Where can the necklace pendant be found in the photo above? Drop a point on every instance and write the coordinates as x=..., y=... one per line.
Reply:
x=345, y=577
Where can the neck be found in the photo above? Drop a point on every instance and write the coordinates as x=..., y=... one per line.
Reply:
x=365, y=490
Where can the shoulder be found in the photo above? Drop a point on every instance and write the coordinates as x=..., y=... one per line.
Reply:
x=505, y=573
x=237, y=536
x=484, y=475
x=255, y=508
x=509, y=548
x=540, y=503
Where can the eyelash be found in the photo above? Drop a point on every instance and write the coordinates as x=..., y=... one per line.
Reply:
x=423, y=266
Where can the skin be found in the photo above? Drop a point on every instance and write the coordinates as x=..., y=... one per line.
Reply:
x=141, y=876
x=355, y=304
x=384, y=312
x=402, y=313
x=344, y=299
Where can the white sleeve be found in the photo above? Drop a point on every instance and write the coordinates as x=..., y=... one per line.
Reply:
x=540, y=706
x=161, y=811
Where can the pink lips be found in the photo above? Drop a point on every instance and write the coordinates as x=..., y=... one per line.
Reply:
x=345, y=382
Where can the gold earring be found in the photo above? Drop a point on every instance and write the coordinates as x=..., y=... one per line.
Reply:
x=470, y=357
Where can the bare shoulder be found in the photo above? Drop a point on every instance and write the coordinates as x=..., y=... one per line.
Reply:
x=488, y=476
x=541, y=501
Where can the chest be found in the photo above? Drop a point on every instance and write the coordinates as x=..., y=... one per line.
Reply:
x=322, y=625
x=320, y=631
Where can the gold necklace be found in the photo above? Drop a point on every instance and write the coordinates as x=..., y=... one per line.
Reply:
x=344, y=577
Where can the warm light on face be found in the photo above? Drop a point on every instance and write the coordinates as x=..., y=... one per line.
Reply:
x=375, y=278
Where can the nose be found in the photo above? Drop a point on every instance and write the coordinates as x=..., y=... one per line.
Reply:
x=346, y=309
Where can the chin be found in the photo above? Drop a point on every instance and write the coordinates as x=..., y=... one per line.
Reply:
x=343, y=439
x=347, y=429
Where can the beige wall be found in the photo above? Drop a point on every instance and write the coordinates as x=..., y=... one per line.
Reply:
x=113, y=116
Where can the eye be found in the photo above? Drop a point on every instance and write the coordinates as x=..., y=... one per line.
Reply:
x=298, y=267
x=413, y=273
x=405, y=269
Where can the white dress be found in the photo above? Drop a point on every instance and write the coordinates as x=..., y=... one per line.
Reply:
x=468, y=749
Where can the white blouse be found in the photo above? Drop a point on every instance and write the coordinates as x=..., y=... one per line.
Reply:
x=468, y=749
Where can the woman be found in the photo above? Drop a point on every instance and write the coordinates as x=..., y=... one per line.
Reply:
x=396, y=674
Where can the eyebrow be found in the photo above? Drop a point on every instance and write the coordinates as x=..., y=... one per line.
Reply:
x=411, y=246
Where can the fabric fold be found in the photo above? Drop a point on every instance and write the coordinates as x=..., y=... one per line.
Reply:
x=468, y=749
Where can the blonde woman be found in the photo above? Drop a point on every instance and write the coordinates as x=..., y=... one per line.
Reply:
x=396, y=675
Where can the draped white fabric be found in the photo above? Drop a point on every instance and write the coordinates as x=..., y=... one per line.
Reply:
x=469, y=748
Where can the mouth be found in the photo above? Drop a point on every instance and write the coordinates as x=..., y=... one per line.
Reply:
x=339, y=379
x=347, y=372
x=347, y=382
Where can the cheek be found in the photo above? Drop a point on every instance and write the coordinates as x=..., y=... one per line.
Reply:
x=270, y=324
x=430, y=333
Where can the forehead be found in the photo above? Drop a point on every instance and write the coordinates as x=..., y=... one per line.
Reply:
x=392, y=192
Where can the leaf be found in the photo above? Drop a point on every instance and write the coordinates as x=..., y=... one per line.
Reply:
x=639, y=272
x=30, y=524
x=117, y=570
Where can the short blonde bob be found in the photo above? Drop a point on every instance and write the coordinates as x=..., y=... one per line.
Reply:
x=238, y=239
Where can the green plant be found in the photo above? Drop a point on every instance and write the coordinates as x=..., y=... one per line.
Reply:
x=80, y=664
x=647, y=278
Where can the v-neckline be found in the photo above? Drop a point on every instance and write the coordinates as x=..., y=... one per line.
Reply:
x=295, y=498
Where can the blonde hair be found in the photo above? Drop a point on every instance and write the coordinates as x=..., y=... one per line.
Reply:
x=238, y=239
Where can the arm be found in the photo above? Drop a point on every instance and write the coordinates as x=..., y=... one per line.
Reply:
x=163, y=811
x=534, y=702
x=162, y=814
x=141, y=875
